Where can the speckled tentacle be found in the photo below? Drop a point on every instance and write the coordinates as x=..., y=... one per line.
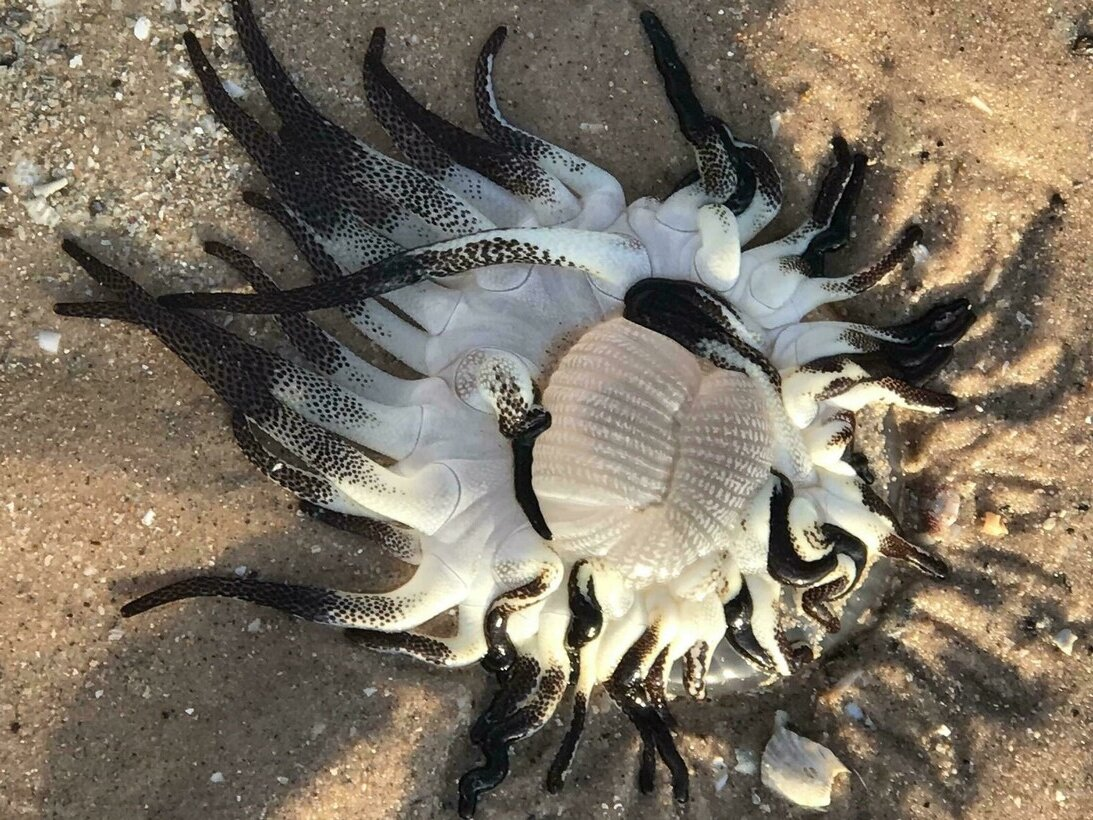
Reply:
x=431, y=591
x=601, y=195
x=270, y=391
x=467, y=646
x=735, y=174
x=785, y=563
x=423, y=136
x=914, y=350
x=615, y=259
x=645, y=709
x=328, y=259
x=308, y=485
x=428, y=304
x=324, y=354
x=849, y=386
x=399, y=542
x=251, y=379
x=531, y=689
x=585, y=625
x=338, y=180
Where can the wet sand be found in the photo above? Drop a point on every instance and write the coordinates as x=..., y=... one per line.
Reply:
x=117, y=466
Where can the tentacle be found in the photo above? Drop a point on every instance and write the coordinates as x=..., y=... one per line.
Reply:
x=736, y=174
x=321, y=350
x=433, y=589
x=501, y=383
x=899, y=549
x=616, y=259
x=424, y=500
x=252, y=380
x=719, y=165
x=339, y=180
x=409, y=123
x=784, y=561
x=329, y=258
x=532, y=688
x=741, y=635
x=467, y=646
x=602, y=198
x=390, y=331
x=717, y=261
x=397, y=542
x=428, y=304
x=525, y=559
x=585, y=625
x=701, y=322
x=847, y=385
x=908, y=348
x=307, y=485
x=627, y=688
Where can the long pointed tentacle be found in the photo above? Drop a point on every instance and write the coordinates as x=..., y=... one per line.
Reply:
x=398, y=542
x=404, y=118
x=263, y=386
x=341, y=177
x=614, y=258
x=324, y=353
x=430, y=305
x=467, y=646
x=602, y=198
x=432, y=590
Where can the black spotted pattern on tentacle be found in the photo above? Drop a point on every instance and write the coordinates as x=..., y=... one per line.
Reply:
x=501, y=654
x=739, y=175
x=648, y=712
x=696, y=664
x=334, y=183
x=409, y=124
x=397, y=542
x=322, y=606
x=784, y=562
x=585, y=625
x=422, y=647
x=915, y=350
x=322, y=352
x=695, y=317
x=527, y=698
x=834, y=206
x=246, y=377
x=391, y=274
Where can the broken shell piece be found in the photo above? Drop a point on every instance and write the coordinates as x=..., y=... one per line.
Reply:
x=993, y=524
x=1065, y=640
x=800, y=770
x=941, y=510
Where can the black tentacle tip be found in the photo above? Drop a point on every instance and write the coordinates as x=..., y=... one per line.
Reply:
x=376, y=44
x=898, y=549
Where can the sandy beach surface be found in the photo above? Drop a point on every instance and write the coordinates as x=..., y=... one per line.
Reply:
x=117, y=468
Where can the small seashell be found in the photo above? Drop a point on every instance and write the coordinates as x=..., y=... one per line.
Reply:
x=800, y=770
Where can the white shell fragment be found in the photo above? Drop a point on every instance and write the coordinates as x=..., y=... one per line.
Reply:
x=1065, y=640
x=49, y=340
x=800, y=770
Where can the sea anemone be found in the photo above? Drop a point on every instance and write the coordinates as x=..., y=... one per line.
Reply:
x=625, y=448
